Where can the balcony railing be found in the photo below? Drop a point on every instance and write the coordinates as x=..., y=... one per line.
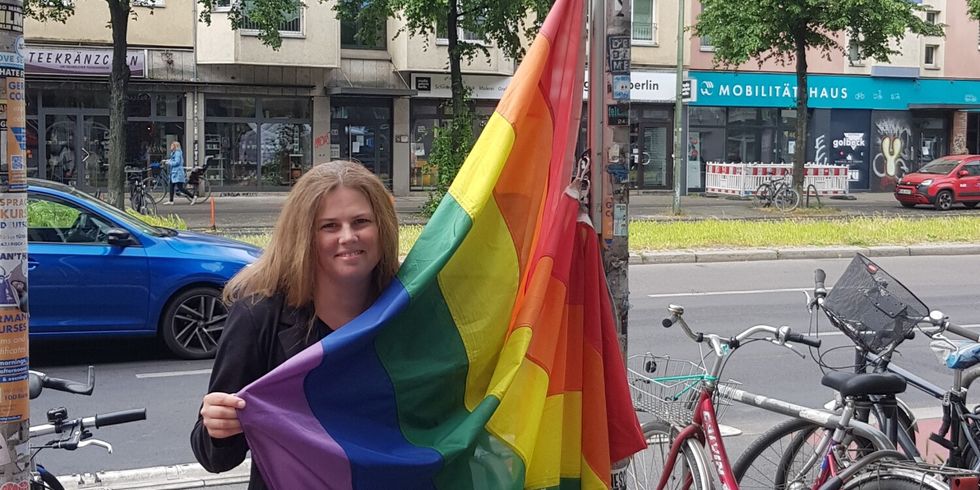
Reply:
x=294, y=25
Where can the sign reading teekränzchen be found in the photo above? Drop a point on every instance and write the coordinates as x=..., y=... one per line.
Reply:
x=80, y=61
x=830, y=91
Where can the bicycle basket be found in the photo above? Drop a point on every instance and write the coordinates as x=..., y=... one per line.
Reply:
x=871, y=307
x=669, y=388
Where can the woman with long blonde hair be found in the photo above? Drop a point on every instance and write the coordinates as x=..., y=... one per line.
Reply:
x=333, y=251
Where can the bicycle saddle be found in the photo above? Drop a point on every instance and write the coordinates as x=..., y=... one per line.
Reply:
x=860, y=384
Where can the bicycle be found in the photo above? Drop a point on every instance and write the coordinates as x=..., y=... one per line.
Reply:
x=158, y=182
x=685, y=408
x=779, y=193
x=72, y=433
x=887, y=316
x=140, y=198
x=198, y=184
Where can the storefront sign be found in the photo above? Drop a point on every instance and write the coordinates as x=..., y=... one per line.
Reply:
x=648, y=86
x=80, y=61
x=437, y=85
x=645, y=86
x=830, y=91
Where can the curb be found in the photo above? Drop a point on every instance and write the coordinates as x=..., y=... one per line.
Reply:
x=796, y=253
x=158, y=478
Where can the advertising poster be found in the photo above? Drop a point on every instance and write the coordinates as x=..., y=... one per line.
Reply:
x=850, y=144
x=13, y=309
x=13, y=239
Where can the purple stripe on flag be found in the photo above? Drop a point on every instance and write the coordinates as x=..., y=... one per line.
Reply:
x=294, y=451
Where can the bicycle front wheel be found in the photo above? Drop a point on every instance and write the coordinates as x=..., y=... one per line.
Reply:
x=202, y=190
x=786, y=456
x=763, y=194
x=149, y=205
x=690, y=471
x=786, y=199
x=158, y=187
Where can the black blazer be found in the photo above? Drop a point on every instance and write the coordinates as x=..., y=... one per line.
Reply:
x=259, y=335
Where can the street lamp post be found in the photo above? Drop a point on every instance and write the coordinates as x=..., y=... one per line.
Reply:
x=679, y=147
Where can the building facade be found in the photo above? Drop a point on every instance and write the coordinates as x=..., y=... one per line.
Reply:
x=881, y=120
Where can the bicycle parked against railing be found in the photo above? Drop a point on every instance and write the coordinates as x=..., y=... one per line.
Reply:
x=71, y=433
x=140, y=198
x=779, y=193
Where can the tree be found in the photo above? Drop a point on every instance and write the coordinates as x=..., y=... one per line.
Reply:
x=974, y=6
x=783, y=30
x=120, y=12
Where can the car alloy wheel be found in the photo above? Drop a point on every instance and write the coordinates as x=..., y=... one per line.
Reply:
x=193, y=323
x=944, y=200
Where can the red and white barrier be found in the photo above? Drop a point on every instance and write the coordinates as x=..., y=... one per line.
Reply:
x=742, y=179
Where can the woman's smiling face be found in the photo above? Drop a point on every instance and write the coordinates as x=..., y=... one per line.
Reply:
x=347, y=238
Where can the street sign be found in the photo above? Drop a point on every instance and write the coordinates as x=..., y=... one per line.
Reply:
x=618, y=114
x=619, y=54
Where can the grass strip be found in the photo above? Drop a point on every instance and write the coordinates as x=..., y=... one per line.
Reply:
x=712, y=233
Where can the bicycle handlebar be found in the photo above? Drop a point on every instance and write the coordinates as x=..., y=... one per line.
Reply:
x=782, y=334
x=120, y=417
x=38, y=381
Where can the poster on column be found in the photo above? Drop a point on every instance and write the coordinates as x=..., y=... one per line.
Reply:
x=13, y=239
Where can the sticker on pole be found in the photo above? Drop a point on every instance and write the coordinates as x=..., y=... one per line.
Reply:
x=13, y=309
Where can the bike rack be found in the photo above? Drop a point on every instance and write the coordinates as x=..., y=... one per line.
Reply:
x=815, y=194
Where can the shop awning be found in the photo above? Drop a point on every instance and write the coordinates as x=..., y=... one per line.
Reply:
x=372, y=91
x=367, y=77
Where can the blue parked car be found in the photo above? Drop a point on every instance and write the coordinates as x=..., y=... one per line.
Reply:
x=94, y=270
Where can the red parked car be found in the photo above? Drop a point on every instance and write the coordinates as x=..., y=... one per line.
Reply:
x=942, y=182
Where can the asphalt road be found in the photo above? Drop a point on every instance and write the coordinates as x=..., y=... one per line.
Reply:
x=719, y=297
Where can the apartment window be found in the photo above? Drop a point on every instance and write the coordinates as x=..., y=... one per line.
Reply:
x=932, y=17
x=442, y=34
x=348, y=37
x=854, y=55
x=291, y=24
x=706, y=44
x=644, y=21
x=932, y=56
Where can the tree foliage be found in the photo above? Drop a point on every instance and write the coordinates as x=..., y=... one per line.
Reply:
x=120, y=12
x=783, y=30
x=974, y=6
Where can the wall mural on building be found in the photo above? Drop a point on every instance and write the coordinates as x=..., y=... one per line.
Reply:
x=821, y=149
x=892, y=149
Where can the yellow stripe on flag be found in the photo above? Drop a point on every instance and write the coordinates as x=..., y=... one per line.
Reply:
x=474, y=183
x=482, y=313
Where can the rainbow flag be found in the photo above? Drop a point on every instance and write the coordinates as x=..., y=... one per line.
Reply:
x=492, y=361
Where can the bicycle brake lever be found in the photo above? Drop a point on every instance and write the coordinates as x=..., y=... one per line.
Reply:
x=96, y=442
x=788, y=346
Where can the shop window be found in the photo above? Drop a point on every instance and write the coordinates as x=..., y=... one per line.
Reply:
x=707, y=116
x=140, y=104
x=235, y=147
x=148, y=142
x=644, y=21
x=32, y=154
x=282, y=107
x=76, y=99
x=285, y=153
x=169, y=105
x=742, y=145
x=229, y=107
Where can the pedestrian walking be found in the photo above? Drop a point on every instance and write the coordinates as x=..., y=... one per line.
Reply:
x=177, y=175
